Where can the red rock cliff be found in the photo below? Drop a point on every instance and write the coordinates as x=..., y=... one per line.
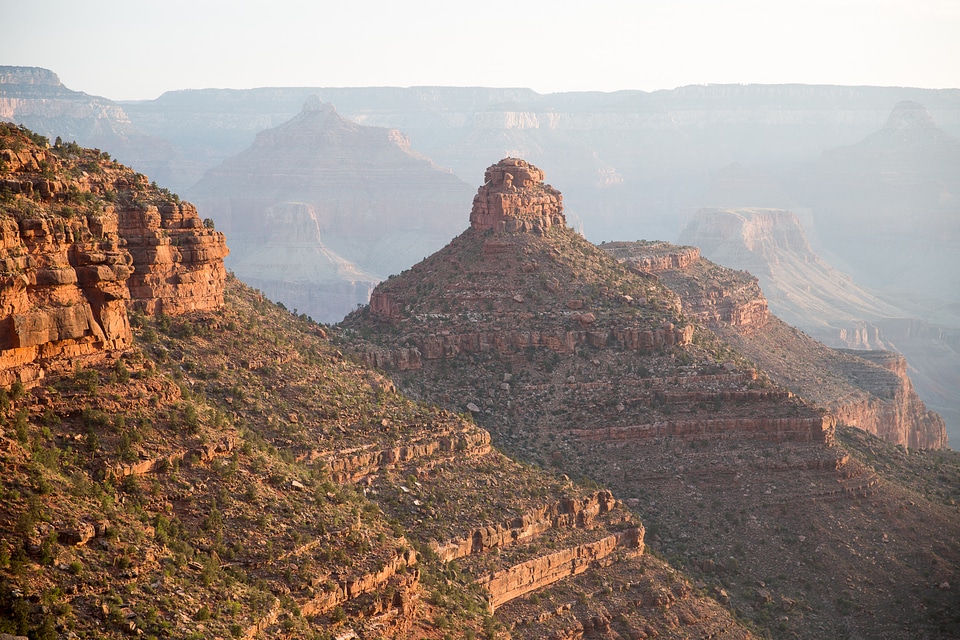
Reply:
x=514, y=198
x=81, y=240
x=178, y=263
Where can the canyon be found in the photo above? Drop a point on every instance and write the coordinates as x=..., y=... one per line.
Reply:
x=877, y=210
x=225, y=467
x=198, y=460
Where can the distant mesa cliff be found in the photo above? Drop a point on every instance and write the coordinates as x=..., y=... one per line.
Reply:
x=35, y=98
x=353, y=201
x=82, y=240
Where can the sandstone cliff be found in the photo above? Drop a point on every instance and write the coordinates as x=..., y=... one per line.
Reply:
x=83, y=240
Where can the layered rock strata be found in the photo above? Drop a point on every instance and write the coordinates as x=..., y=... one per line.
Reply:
x=178, y=262
x=83, y=239
x=866, y=389
x=536, y=573
x=63, y=292
x=710, y=296
x=514, y=198
x=567, y=512
x=895, y=412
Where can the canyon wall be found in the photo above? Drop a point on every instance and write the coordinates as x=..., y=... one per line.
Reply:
x=805, y=291
x=82, y=240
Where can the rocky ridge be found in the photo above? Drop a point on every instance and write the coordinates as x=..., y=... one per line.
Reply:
x=696, y=433
x=83, y=241
x=869, y=390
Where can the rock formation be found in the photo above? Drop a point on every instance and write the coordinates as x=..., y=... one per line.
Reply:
x=514, y=198
x=82, y=240
x=520, y=285
x=178, y=263
x=807, y=292
x=353, y=202
x=546, y=341
x=802, y=288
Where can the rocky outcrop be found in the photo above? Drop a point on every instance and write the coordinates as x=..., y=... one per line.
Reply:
x=802, y=288
x=206, y=453
x=82, y=240
x=449, y=345
x=64, y=291
x=178, y=263
x=350, y=467
x=894, y=412
x=352, y=587
x=525, y=577
x=514, y=198
x=652, y=257
x=567, y=512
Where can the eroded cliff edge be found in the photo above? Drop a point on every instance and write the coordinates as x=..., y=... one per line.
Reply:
x=83, y=241
x=865, y=389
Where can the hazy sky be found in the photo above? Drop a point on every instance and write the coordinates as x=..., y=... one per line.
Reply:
x=137, y=49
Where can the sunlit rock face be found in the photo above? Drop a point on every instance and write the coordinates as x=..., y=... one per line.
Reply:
x=514, y=198
x=83, y=240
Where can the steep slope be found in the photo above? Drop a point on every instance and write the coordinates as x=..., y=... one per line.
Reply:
x=342, y=193
x=808, y=293
x=594, y=367
x=224, y=471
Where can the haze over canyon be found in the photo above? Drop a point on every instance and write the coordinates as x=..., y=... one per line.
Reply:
x=438, y=362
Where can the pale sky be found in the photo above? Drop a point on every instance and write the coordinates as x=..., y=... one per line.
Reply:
x=137, y=49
